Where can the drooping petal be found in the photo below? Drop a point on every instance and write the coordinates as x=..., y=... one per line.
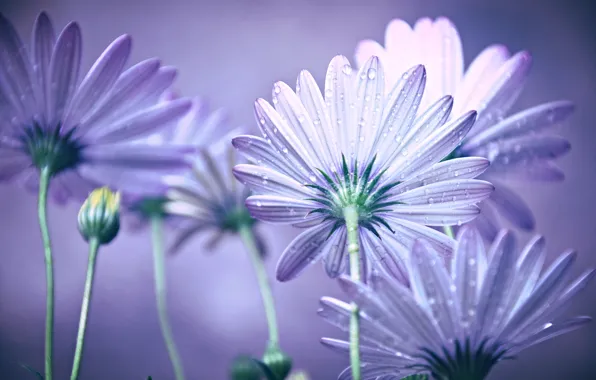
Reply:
x=44, y=39
x=434, y=216
x=263, y=180
x=305, y=249
x=512, y=207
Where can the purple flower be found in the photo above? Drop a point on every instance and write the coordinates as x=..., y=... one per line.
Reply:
x=357, y=153
x=457, y=323
x=490, y=85
x=210, y=199
x=82, y=132
x=200, y=129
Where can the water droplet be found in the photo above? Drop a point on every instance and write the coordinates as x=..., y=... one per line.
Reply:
x=347, y=69
x=372, y=73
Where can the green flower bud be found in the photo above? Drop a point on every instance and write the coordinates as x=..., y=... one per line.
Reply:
x=300, y=375
x=245, y=368
x=278, y=362
x=99, y=217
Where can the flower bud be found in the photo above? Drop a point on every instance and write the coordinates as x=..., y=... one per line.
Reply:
x=300, y=375
x=278, y=362
x=99, y=217
x=245, y=368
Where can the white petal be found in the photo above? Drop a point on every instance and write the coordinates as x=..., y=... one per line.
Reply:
x=430, y=215
x=339, y=97
x=276, y=209
x=453, y=193
x=406, y=232
x=399, y=114
x=462, y=168
x=267, y=181
x=369, y=108
x=417, y=157
x=312, y=99
x=283, y=139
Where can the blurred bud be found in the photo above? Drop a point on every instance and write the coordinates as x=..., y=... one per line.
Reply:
x=299, y=375
x=278, y=362
x=245, y=368
x=99, y=217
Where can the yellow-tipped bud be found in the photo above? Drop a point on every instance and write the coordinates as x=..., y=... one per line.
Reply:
x=300, y=375
x=99, y=217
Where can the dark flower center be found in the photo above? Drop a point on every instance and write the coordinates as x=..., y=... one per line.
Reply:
x=463, y=361
x=49, y=148
x=358, y=190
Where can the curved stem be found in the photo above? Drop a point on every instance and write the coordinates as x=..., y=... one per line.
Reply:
x=76, y=365
x=160, y=295
x=351, y=218
x=44, y=182
x=449, y=231
x=248, y=238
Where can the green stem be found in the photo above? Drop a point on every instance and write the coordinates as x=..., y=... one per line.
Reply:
x=160, y=295
x=449, y=231
x=351, y=218
x=44, y=183
x=247, y=235
x=93, y=248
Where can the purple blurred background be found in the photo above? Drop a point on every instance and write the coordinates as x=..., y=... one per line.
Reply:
x=233, y=51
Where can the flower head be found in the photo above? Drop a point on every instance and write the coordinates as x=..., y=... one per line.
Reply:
x=201, y=128
x=457, y=323
x=81, y=131
x=211, y=199
x=354, y=147
x=99, y=217
x=490, y=85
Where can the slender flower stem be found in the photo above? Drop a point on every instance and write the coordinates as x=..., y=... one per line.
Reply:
x=351, y=218
x=247, y=235
x=76, y=365
x=44, y=183
x=160, y=295
x=449, y=231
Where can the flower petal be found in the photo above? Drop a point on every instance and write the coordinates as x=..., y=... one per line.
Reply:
x=128, y=86
x=407, y=232
x=433, y=216
x=44, y=39
x=523, y=123
x=417, y=157
x=490, y=311
x=279, y=209
x=305, y=249
x=142, y=123
x=138, y=156
x=467, y=271
x=433, y=289
x=453, y=193
x=98, y=81
x=486, y=222
x=64, y=71
x=338, y=97
x=263, y=180
x=512, y=207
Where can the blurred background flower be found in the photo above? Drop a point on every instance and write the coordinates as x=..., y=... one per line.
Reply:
x=233, y=51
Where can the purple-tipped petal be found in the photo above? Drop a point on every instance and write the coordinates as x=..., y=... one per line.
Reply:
x=98, y=81
x=142, y=124
x=64, y=71
x=44, y=39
